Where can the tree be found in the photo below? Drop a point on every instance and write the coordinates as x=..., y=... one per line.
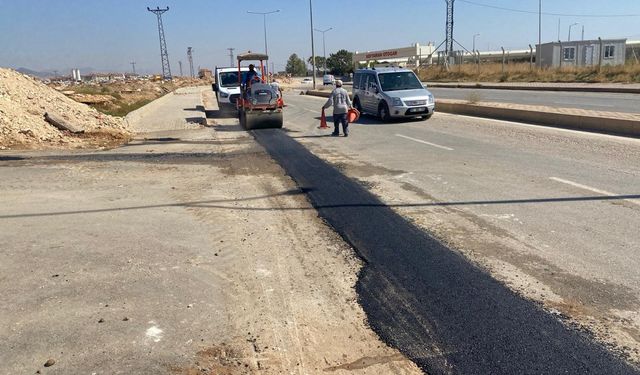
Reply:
x=341, y=62
x=319, y=63
x=296, y=66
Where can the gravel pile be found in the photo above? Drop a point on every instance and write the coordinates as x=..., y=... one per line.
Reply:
x=23, y=103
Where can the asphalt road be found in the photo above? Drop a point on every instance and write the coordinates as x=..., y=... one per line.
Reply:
x=571, y=200
x=435, y=306
x=609, y=102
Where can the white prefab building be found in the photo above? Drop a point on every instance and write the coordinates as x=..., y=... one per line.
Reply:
x=583, y=53
x=409, y=56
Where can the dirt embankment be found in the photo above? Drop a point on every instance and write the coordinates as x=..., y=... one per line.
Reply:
x=121, y=97
x=23, y=104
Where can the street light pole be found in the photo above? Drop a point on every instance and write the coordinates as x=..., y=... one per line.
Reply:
x=324, y=50
x=264, y=19
x=538, y=52
x=474, y=42
x=313, y=48
x=570, y=26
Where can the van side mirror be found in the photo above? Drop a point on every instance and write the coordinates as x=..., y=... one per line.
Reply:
x=215, y=87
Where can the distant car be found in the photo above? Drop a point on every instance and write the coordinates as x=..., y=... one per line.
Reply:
x=328, y=79
x=307, y=80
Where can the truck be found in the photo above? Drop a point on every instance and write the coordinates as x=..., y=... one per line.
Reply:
x=227, y=87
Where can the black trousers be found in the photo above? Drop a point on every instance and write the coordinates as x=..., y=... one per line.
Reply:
x=340, y=119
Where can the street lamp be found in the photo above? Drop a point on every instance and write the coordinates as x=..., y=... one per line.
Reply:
x=474, y=42
x=264, y=19
x=570, y=26
x=324, y=50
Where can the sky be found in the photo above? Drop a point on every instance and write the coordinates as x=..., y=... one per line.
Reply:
x=107, y=35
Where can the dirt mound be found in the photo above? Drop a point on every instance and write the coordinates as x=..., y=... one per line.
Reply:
x=23, y=103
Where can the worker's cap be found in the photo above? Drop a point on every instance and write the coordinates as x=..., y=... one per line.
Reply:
x=338, y=83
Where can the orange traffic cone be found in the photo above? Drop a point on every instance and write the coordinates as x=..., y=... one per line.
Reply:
x=353, y=115
x=323, y=121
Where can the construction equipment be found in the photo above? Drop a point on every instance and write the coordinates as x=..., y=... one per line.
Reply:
x=260, y=104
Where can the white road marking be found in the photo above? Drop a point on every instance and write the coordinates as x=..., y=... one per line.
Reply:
x=424, y=142
x=589, y=188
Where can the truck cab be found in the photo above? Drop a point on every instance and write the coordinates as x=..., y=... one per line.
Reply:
x=226, y=86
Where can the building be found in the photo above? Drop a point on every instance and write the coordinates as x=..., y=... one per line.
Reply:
x=583, y=53
x=406, y=56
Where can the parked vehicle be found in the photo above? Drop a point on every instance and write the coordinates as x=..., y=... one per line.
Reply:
x=227, y=88
x=328, y=79
x=391, y=93
x=306, y=81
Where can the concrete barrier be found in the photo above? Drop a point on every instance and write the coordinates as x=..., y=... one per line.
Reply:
x=600, y=124
x=618, y=90
x=570, y=121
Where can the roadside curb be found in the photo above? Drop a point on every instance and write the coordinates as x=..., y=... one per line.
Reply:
x=617, y=90
x=600, y=124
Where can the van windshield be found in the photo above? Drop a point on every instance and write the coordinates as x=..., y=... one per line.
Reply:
x=230, y=79
x=399, y=81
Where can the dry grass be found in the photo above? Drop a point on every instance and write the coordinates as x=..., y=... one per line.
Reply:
x=629, y=73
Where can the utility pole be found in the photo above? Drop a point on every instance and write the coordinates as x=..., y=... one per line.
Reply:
x=474, y=43
x=180, y=63
x=190, y=56
x=449, y=32
x=538, y=49
x=558, y=29
x=582, y=32
x=164, y=55
x=264, y=19
x=313, y=49
x=133, y=64
x=231, y=62
x=324, y=50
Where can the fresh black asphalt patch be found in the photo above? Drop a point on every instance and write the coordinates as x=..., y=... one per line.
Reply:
x=441, y=311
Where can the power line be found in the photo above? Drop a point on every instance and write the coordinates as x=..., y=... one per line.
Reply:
x=550, y=14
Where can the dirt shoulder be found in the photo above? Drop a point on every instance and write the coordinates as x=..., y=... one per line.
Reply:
x=180, y=253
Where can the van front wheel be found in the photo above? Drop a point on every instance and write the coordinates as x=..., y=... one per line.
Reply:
x=357, y=105
x=383, y=112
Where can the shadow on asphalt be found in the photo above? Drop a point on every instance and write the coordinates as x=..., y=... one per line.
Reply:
x=303, y=190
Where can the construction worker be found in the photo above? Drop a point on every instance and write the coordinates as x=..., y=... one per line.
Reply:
x=341, y=103
x=276, y=86
x=251, y=74
x=249, y=78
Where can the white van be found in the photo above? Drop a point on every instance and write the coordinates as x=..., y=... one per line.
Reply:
x=391, y=93
x=227, y=87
